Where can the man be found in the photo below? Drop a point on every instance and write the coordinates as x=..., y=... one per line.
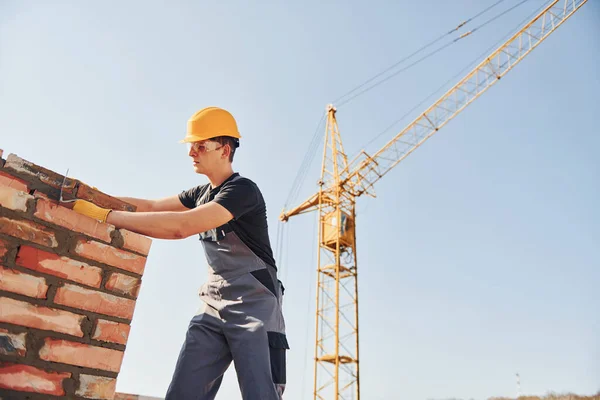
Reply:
x=241, y=317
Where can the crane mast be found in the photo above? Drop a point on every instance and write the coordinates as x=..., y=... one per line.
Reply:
x=336, y=350
x=336, y=357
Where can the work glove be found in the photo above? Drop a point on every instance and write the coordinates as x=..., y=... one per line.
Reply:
x=91, y=210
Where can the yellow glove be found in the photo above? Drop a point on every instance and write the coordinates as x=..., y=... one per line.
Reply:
x=91, y=210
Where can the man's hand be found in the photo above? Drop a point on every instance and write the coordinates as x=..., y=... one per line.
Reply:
x=91, y=210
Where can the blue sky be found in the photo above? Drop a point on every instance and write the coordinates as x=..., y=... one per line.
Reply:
x=479, y=257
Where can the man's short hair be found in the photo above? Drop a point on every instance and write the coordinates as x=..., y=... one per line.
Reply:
x=228, y=140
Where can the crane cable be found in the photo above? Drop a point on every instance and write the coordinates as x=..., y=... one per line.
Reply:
x=460, y=73
x=311, y=151
x=306, y=163
x=295, y=190
x=347, y=99
x=417, y=51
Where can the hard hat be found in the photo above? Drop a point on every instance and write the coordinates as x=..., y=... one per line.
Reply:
x=210, y=122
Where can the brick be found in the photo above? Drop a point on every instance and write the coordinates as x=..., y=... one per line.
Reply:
x=21, y=283
x=12, y=344
x=72, y=221
x=109, y=255
x=95, y=301
x=96, y=387
x=21, y=313
x=29, y=231
x=100, y=199
x=123, y=284
x=50, y=178
x=81, y=354
x=13, y=199
x=110, y=331
x=25, y=378
x=10, y=181
x=63, y=267
x=135, y=242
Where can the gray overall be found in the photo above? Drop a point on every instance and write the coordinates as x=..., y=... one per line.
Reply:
x=241, y=320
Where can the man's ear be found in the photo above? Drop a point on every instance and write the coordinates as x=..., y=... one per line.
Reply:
x=226, y=151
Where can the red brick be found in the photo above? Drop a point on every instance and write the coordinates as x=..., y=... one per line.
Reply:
x=136, y=242
x=12, y=344
x=110, y=331
x=10, y=181
x=123, y=284
x=13, y=199
x=21, y=283
x=95, y=301
x=96, y=387
x=27, y=230
x=24, y=314
x=63, y=267
x=81, y=354
x=109, y=255
x=100, y=199
x=25, y=378
x=72, y=221
x=50, y=178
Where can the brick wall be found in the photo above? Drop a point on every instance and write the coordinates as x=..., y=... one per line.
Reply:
x=68, y=288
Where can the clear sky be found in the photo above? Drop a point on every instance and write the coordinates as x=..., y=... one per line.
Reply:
x=478, y=259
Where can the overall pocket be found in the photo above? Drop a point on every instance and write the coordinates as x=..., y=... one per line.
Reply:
x=264, y=278
x=278, y=345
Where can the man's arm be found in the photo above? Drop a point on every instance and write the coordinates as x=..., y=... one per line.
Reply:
x=171, y=203
x=172, y=225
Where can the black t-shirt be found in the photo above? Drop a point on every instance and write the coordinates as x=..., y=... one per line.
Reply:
x=242, y=198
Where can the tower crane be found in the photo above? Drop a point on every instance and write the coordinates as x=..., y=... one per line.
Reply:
x=336, y=357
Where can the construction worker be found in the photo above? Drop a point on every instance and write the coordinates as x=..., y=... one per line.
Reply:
x=241, y=317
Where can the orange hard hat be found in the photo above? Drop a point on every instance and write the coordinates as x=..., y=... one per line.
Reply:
x=210, y=122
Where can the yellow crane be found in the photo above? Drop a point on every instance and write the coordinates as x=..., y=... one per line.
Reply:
x=336, y=357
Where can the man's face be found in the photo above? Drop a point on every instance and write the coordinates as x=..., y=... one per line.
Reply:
x=206, y=155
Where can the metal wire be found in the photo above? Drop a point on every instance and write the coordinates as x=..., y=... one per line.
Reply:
x=439, y=49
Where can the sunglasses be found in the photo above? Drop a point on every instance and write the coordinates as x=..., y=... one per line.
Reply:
x=203, y=147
